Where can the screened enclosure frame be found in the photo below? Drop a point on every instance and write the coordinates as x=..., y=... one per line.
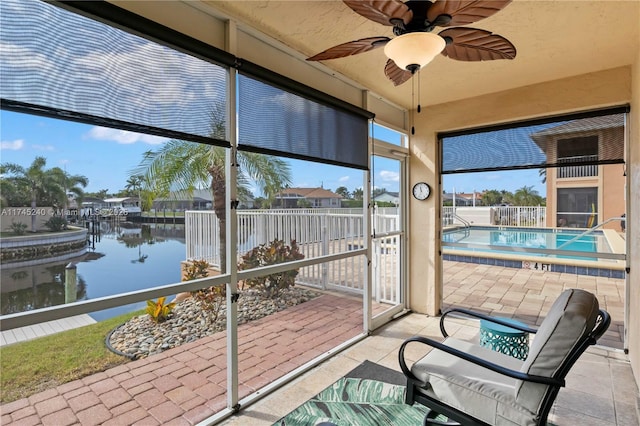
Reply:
x=116, y=17
x=454, y=167
x=599, y=122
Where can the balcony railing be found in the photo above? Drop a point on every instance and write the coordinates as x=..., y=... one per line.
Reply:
x=569, y=172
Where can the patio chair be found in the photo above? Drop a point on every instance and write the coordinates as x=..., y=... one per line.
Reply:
x=474, y=385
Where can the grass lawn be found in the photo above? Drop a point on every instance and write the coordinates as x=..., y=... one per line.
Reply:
x=36, y=365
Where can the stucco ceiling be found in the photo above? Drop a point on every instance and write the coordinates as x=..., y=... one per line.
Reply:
x=554, y=39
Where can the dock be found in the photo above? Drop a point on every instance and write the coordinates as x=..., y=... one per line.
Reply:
x=22, y=334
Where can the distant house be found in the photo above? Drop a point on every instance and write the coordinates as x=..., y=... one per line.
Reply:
x=582, y=193
x=199, y=199
x=289, y=198
x=460, y=199
x=122, y=205
x=388, y=197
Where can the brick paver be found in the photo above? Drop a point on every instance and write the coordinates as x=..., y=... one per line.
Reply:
x=528, y=294
x=185, y=385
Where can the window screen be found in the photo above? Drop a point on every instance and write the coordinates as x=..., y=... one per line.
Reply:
x=60, y=63
x=577, y=207
x=585, y=139
x=275, y=121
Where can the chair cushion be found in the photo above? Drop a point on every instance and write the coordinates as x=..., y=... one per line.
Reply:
x=472, y=389
x=571, y=317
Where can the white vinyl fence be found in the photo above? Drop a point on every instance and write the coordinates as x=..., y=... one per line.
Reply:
x=317, y=232
x=524, y=216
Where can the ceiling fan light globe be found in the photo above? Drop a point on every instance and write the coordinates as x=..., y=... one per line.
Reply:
x=411, y=49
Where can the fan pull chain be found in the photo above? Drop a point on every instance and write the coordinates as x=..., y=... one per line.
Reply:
x=413, y=102
x=419, y=108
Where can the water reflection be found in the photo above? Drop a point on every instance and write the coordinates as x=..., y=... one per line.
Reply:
x=122, y=257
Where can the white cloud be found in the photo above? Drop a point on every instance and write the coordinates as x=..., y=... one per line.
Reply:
x=343, y=179
x=43, y=147
x=15, y=145
x=24, y=59
x=389, y=176
x=123, y=137
x=143, y=62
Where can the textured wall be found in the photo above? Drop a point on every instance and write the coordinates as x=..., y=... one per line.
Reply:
x=580, y=93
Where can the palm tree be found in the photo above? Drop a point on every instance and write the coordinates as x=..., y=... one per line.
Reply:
x=343, y=192
x=70, y=184
x=357, y=194
x=491, y=198
x=543, y=175
x=35, y=180
x=527, y=196
x=185, y=166
x=134, y=184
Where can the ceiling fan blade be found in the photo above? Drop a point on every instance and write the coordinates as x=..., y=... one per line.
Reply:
x=471, y=44
x=396, y=74
x=351, y=48
x=464, y=12
x=381, y=12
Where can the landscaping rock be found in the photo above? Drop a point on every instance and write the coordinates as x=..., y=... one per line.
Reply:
x=140, y=336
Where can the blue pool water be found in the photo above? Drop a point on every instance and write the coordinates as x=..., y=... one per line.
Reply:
x=528, y=238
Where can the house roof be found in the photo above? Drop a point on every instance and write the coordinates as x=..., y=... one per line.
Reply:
x=307, y=193
x=119, y=199
x=581, y=125
x=197, y=194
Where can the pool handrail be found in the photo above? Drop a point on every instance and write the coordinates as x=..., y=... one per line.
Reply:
x=465, y=222
x=588, y=231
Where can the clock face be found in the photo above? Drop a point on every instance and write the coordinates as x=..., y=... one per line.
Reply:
x=421, y=191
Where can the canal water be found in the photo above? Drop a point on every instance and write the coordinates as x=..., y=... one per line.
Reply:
x=123, y=257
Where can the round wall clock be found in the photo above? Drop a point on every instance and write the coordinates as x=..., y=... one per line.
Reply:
x=421, y=191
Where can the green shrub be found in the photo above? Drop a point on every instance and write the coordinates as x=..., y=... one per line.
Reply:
x=264, y=255
x=196, y=269
x=18, y=228
x=158, y=311
x=212, y=298
x=56, y=223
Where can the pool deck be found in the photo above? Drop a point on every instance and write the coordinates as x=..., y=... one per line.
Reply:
x=527, y=294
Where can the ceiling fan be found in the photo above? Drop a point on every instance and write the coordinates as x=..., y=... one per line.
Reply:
x=415, y=45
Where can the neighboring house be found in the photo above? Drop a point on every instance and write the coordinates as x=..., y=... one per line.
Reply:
x=388, y=197
x=585, y=194
x=288, y=198
x=121, y=205
x=474, y=197
x=460, y=199
x=198, y=199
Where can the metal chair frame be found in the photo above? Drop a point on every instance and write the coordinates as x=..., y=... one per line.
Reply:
x=457, y=417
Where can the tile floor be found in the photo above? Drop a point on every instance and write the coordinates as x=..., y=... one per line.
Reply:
x=600, y=388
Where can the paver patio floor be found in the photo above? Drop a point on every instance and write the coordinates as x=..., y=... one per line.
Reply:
x=528, y=294
x=187, y=384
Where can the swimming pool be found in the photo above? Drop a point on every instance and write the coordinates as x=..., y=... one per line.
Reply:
x=551, y=249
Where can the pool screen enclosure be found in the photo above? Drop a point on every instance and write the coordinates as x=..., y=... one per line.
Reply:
x=543, y=143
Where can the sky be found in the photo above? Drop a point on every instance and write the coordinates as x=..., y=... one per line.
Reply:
x=140, y=81
x=108, y=156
